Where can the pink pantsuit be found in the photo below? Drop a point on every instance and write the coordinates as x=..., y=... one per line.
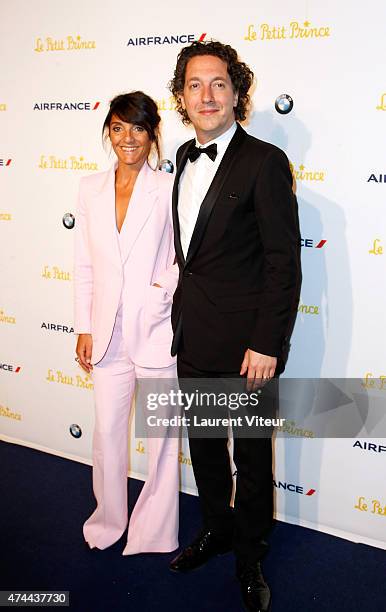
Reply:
x=129, y=320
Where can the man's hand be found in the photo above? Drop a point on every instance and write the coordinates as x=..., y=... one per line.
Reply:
x=84, y=350
x=259, y=368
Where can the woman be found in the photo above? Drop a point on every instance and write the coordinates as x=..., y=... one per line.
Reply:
x=124, y=283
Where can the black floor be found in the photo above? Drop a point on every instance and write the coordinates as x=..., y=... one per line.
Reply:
x=45, y=499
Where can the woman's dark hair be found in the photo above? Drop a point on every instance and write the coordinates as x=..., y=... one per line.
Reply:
x=137, y=108
x=240, y=75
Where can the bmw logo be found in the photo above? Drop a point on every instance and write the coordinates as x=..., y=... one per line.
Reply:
x=75, y=430
x=166, y=166
x=68, y=220
x=284, y=104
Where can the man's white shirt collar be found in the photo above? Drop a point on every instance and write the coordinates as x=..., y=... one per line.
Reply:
x=195, y=181
x=221, y=141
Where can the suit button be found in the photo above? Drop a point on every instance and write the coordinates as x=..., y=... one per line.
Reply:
x=187, y=273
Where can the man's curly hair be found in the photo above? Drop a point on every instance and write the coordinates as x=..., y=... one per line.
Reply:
x=240, y=75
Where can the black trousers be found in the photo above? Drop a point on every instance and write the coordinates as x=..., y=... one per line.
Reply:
x=248, y=523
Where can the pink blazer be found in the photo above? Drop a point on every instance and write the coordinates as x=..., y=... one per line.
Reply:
x=105, y=277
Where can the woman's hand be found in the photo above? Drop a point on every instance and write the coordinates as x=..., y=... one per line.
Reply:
x=84, y=350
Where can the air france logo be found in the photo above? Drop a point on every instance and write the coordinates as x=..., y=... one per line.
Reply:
x=170, y=39
x=57, y=327
x=293, y=488
x=7, y=367
x=309, y=243
x=66, y=106
x=377, y=178
x=5, y=162
x=370, y=446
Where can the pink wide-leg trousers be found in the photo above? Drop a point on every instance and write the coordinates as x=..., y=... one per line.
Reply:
x=153, y=525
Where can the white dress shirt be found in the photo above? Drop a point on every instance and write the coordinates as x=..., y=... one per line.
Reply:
x=195, y=181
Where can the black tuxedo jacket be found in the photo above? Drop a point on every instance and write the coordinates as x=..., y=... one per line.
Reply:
x=239, y=285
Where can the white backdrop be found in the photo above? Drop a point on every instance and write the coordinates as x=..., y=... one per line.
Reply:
x=327, y=58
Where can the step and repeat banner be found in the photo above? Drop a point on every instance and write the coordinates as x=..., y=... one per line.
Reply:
x=320, y=94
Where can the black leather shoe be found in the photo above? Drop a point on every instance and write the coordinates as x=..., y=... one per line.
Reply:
x=199, y=552
x=254, y=589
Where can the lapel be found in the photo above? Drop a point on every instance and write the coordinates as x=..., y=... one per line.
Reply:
x=211, y=196
x=176, y=222
x=141, y=204
x=107, y=228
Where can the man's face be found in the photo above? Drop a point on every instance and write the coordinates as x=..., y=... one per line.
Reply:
x=208, y=96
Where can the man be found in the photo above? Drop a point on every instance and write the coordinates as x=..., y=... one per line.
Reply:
x=237, y=244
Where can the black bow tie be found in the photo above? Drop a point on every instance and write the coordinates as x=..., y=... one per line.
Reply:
x=195, y=152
